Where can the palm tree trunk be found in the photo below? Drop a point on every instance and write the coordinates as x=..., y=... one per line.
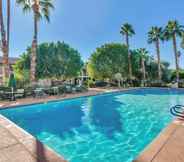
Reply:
x=8, y=24
x=34, y=50
x=143, y=69
x=176, y=57
x=129, y=57
x=4, y=46
x=158, y=59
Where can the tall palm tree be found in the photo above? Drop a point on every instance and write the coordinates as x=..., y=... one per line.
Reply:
x=154, y=36
x=127, y=31
x=5, y=32
x=143, y=56
x=39, y=8
x=8, y=24
x=171, y=32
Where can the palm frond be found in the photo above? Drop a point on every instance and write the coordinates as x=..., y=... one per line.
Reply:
x=127, y=29
x=44, y=8
x=173, y=27
x=155, y=34
x=26, y=8
x=26, y=5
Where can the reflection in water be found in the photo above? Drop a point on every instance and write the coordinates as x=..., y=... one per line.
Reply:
x=106, y=117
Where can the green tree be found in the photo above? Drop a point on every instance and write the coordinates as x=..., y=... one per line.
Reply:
x=108, y=60
x=112, y=58
x=173, y=74
x=143, y=56
x=171, y=32
x=127, y=31
x=154, y=36
x=40, y=8
x=54, y=60
x=151, y=67
x=21, y=69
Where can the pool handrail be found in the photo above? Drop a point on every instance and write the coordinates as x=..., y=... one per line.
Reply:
x=175, y=111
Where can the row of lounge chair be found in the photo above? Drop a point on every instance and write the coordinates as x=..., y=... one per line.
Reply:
x=7, y=93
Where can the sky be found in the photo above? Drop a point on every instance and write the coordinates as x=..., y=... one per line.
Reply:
x=87, y=24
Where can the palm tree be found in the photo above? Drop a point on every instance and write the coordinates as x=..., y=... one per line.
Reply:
x=40, y=8
x=8, y=24
x=127, y=31
x=171, y=31
x=5, y=32
x=154, y=36
x=143, y=56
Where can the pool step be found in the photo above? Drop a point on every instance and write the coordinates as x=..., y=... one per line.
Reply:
x=177, y=110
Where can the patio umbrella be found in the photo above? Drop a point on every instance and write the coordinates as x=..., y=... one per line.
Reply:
x=12, y=84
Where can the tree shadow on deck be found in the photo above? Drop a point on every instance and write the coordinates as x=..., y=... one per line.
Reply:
x=43, y=154
x=40, y=152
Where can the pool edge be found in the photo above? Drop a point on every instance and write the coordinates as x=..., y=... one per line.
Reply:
x=80, y=95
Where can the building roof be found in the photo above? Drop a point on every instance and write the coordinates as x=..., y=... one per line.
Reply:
x=12, y=60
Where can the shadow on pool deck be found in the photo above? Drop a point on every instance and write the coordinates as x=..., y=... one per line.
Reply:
x=40, y=152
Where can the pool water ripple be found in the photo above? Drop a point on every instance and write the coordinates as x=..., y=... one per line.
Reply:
x=113, y=127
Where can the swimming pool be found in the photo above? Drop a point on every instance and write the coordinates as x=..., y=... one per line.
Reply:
x=113, y=127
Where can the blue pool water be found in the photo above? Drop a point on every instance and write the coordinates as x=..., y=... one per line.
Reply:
x=113, y=127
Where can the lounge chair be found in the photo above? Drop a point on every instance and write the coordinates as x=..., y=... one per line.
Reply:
x=39, y=92
x=5, y=93
x=74, y=89
x=68, y=88
x=1, y=95
x=52, y=91
x=80, y=88
x=20, y=93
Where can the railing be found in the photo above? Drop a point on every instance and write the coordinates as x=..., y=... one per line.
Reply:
x=178, y=111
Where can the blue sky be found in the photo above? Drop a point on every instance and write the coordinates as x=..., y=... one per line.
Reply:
x=87, y=24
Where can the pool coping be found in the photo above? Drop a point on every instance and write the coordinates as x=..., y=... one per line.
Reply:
x=81, y=95
x=63, y=98
x=154, y=151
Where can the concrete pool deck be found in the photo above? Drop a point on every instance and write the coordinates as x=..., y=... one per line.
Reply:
x=16, y=145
